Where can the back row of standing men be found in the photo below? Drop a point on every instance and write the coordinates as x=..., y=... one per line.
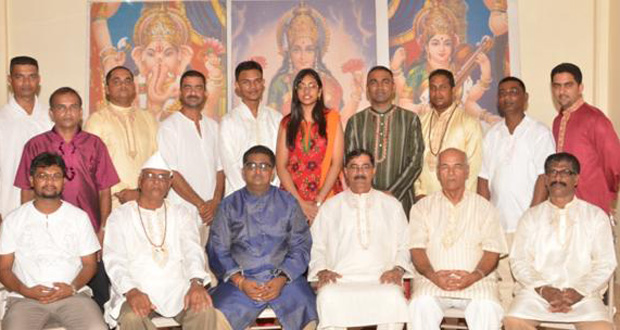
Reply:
x=508, y=166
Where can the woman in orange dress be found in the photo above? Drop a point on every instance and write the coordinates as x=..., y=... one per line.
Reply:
x=310, y=146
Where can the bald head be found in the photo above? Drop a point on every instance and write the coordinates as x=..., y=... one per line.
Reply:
x=452, y=153
x=452, y=169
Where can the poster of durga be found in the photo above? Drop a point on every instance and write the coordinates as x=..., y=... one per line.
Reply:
x=335, y=38
x=158, y=42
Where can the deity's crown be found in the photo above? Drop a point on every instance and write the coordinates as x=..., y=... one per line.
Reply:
x=302, y=25
x=162, y=23
x=434, y=19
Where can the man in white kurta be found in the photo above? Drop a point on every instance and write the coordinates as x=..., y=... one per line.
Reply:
x=154, y=259
x=456, y=241
x=23, y=117
x=562, y=256
x=359, y=253
x=512, y=173
x=188, y=142
x=47, y=255
x=246, y=125
x=129, y=133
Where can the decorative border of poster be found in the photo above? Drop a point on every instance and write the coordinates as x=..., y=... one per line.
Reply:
x=468, y=37
x=158, y=41
x=336, y=38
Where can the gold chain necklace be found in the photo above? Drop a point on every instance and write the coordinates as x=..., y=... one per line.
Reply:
x=159, y=252
x=443, y=135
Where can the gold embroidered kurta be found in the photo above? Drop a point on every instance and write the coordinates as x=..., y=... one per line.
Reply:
x=451, y=129
x=130, y=134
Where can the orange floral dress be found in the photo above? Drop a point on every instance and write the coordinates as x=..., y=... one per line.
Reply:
x=311, y=158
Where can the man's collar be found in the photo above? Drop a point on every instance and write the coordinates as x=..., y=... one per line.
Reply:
x=119, y=108
x=451, y=108
x=574, y=107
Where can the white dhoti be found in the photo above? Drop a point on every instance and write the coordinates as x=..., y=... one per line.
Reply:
x=529, y=305
x=361, y=304
x=427, y=312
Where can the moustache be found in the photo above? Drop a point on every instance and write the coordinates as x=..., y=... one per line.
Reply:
x=558, y=182
x=359, y=177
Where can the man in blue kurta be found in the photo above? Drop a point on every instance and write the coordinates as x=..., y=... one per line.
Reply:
x=259, y=248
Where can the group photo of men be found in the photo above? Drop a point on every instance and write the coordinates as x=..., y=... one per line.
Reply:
x=385, y=220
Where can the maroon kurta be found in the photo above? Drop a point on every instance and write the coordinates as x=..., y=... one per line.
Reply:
x=590, y=136
x=89, y=168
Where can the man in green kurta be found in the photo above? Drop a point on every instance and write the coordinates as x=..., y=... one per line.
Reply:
x=392, y=134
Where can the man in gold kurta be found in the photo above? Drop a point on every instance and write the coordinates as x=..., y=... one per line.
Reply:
x=446, y=125
x=456, y=241
x=130, y=133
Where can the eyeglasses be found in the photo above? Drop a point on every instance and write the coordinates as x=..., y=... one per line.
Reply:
x=363, y=168
x=302, y=86
x=157, y=176
x=251, y=166
x=52, y=177
x=562, y=173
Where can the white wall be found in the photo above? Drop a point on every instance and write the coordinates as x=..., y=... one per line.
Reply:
x=53, y=32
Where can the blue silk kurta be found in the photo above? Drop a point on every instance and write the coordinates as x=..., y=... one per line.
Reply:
x=261, y=236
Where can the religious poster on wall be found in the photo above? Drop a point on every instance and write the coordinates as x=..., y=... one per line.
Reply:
x=336, y=38
x=467, y=37
x=158, y=42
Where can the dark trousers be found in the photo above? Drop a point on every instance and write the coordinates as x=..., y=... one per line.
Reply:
x=100, y=284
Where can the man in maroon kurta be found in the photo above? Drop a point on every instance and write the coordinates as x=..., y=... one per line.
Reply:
x=584, y=131
x=90, y=172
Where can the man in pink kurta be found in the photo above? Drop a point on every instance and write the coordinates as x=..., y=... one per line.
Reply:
x=584, y=131
x=89, y=168
x=90, y=172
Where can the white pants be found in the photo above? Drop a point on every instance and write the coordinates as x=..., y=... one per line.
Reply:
x=391, y=326
x=426, y=312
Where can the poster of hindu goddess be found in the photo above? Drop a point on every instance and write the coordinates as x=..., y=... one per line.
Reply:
x=158, y=42
x=467, y=37
x=336, y=38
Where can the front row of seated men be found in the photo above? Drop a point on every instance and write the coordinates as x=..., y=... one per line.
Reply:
x=358, y=249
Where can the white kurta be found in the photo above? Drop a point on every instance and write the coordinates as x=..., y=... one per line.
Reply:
x=360, y=236
x=455, y=238
x=129, y=258
x=17, y=127
x=239, y=131
x=47, y=248
x=512, y=163
x=565, y=248
x=193, y=155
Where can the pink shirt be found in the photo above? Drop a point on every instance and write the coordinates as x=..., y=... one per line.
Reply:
x=591, y=137
x=89, y=168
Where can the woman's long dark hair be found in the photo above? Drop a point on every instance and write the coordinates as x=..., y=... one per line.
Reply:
x=297, y=113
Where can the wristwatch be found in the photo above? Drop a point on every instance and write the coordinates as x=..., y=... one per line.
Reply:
x=197, y=280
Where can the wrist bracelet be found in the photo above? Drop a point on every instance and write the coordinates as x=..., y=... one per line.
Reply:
x=480, y=272
x=73, y=289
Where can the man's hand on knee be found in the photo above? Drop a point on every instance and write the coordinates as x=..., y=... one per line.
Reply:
x=327, y=276
x=393, y=276
x=139, y=302
x=197, y=298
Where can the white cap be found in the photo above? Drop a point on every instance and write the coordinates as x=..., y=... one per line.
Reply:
x=156, y=162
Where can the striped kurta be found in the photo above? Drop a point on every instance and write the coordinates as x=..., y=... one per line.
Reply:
x=455, y=238
x=395, y=140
